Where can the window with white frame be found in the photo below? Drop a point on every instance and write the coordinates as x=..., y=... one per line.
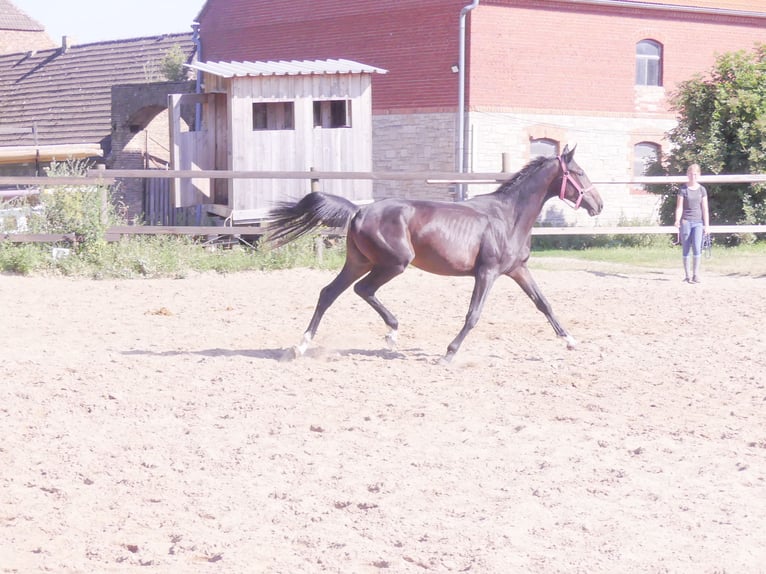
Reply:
x=644, y=155
x=648, y=63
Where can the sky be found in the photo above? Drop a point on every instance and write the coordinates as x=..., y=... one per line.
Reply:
x=89, y=21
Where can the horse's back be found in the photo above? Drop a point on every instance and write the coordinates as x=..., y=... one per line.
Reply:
x=437, y=236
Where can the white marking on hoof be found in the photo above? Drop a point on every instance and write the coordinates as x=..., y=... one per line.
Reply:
x=301, y=349
x=571, y=342
x=391, y=338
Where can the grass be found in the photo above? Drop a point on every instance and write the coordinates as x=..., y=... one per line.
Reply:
x=165, y=256
x=177, y=257
x=744, y=259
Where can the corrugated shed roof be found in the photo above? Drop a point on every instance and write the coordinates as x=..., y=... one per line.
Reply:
x=285, y=68
x=67, y=93
x=11, y=18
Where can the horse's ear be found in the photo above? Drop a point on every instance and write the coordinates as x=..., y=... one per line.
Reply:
x=568, y=154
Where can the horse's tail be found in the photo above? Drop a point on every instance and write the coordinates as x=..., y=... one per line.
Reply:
x=288, y=221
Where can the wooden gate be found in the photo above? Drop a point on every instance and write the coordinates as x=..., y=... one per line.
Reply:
x=158, y=202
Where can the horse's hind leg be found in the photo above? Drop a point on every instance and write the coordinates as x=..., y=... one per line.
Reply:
x=366, y=289
x=524, y=278
x=351, y=272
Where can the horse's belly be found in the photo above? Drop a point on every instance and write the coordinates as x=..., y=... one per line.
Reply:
x=433, y=263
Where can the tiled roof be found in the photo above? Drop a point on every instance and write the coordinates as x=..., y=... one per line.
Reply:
x=285, y=68
x=11, y=18
x=66, y=94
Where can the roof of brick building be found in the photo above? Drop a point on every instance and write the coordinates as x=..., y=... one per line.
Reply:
x=11, y=18
x=65, y=93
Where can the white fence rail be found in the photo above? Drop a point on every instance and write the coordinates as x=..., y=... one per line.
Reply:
x=102, y=176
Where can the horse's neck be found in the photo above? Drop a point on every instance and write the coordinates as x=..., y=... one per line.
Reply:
x=527, y=202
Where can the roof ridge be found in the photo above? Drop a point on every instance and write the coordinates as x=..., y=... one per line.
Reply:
x=124, y=42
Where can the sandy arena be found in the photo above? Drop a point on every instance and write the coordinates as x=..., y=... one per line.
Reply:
x=149, y=426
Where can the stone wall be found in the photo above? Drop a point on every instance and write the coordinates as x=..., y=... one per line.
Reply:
x=413, y=142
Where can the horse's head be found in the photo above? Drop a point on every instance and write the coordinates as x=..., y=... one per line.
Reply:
x=576, y=188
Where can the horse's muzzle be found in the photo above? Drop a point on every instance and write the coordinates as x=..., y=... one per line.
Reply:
x=593, y=202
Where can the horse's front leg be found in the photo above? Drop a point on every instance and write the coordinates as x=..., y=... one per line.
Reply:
x=482, y=284
x=524, y=278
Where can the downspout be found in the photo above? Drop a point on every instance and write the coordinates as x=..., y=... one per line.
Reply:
x=198, y=52
x=461, y=98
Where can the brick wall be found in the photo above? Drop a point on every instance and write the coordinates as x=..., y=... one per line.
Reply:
x=536, y=69
x=583, y=60
x=523, y=54
x=416, y=41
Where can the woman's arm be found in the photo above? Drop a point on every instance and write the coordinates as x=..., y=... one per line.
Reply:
x=679, y=210
x=705, y=214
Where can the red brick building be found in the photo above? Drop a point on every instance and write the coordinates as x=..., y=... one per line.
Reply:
x=538, y=74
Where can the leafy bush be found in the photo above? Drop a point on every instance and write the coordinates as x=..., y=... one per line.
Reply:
x=84, y=210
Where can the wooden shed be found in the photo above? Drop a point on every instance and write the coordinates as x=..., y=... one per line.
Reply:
x=273, y=116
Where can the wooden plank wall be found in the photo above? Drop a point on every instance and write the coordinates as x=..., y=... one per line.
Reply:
x=305, y=147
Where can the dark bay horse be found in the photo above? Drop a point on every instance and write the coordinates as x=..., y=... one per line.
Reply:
x=484, y=237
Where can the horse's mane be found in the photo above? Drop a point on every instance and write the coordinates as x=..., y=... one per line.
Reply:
x=532, y=167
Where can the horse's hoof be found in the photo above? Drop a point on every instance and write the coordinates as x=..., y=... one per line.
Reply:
x=571, y=342
x=446, y=360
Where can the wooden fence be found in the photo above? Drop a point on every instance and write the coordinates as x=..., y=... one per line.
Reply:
x=158, y=209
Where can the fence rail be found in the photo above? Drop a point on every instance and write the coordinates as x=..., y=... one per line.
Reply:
x=109, y=177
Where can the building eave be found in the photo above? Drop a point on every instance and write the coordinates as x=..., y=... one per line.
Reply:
x=46, y=153
x=677, y=8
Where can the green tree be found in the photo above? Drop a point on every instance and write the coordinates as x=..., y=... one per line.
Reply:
x=172, y=65
x=721, y=126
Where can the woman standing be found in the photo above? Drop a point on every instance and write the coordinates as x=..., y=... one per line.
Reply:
x=692, y=221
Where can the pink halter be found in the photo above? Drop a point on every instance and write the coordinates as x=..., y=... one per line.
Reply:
x=567, y=176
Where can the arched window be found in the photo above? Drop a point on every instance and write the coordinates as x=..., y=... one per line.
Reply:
x=544, y=147
x=648, y=63
x=644, y=154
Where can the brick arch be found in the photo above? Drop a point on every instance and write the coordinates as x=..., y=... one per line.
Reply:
x=141, y=119
x=543, y=131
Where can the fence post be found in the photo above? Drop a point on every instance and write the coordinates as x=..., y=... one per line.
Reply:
x=506, y=162
x=314, y=182
x=103, y=196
